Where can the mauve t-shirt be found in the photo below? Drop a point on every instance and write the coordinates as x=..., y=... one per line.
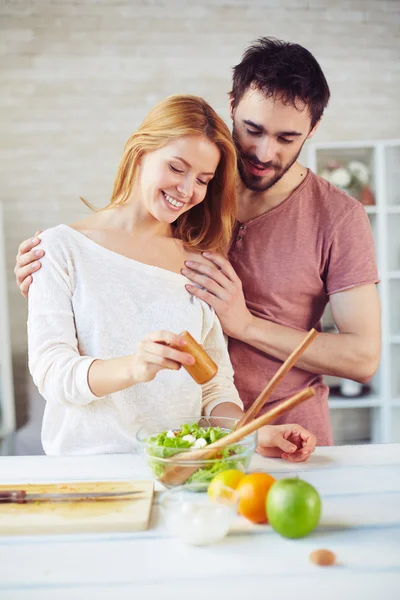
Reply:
x=290, y=259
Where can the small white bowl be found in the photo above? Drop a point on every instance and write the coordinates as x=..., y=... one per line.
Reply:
x=196, y=519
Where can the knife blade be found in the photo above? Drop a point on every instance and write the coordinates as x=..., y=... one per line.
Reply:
x=21, y=496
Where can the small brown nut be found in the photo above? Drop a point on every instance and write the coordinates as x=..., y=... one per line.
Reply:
x=323, y=558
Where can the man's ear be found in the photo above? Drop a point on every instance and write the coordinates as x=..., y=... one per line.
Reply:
x=313, y=131
x=231, y=103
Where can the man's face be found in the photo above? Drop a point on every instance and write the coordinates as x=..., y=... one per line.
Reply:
x=269, y=136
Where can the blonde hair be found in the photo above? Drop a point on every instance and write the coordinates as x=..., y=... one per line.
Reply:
x=208, y=225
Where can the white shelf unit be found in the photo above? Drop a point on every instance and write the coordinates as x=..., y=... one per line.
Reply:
x=382, y=406
x=7, y=405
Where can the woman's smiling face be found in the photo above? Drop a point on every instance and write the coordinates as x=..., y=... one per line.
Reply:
x=174, y=178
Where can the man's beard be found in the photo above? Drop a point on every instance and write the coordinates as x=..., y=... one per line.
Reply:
x=257, y=183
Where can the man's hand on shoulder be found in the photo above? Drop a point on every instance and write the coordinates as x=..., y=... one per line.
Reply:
x=222, y=289
x=27, y=262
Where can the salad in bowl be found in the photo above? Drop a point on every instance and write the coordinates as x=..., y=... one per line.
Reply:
x=161, y=439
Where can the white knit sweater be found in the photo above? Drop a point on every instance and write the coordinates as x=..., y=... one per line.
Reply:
x=88, y=302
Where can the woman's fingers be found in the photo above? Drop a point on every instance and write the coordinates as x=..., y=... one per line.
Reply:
x=161, y=361
x=166, y=337
x=159, y=349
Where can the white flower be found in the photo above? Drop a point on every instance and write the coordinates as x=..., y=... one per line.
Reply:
x=359, y=170
x=340, y=177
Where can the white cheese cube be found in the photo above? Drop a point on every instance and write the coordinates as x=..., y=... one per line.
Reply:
x=200, y=443
x=189, y=438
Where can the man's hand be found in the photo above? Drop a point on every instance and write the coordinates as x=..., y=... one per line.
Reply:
x=223, y=292
x=291, y=442
x=27, y=263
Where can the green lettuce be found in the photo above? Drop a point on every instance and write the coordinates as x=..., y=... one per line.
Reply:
x=163, y=446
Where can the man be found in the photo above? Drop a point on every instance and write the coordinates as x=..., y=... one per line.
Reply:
x=298, y=244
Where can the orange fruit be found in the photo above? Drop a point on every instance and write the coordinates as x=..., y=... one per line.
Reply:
x=229, y=478
x=253, y=490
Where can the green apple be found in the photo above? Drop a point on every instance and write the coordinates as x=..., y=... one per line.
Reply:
x=293, y=507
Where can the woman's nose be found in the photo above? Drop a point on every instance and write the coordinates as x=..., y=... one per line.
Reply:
x=185, y=188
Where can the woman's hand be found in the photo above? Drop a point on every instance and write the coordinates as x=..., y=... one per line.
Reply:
x=155, y=353
x=291, y=442
x=27, y=263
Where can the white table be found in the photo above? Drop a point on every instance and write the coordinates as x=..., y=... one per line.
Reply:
x=360, y=489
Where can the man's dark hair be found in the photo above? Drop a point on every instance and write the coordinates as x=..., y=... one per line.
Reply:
x=282, y=69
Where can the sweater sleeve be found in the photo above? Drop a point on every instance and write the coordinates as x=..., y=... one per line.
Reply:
x=221, y=387
x=55, y=363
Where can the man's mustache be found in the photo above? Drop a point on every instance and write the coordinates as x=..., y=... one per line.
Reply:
x=257, y=163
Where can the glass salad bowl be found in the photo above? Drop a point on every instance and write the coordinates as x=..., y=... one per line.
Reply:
x=159, y=439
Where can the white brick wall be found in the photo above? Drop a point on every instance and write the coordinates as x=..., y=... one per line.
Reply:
x=77, y=78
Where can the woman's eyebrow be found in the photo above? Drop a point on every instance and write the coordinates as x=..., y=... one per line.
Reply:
x=190, y=166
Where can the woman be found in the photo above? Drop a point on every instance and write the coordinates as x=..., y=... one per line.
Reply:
x=110, y=279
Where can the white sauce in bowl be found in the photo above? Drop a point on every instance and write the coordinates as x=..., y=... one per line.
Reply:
x=201, y=523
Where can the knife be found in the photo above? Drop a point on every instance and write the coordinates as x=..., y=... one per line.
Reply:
x=21, y=496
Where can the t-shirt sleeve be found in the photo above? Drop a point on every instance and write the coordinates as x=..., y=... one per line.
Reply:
x=56, y=365
x=351, y=257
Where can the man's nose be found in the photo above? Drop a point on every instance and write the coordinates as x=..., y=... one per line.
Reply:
x=266, y=150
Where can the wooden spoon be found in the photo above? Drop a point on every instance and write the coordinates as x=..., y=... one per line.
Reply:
x=178, y=474
x=259, y=402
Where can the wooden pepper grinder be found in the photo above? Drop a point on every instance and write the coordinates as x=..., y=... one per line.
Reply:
x=204, y=369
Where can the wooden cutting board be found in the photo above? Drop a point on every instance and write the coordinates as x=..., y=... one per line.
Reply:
x=90, y=516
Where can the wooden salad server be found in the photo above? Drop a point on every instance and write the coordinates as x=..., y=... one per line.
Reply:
x=178, y=474
x=273, y=383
